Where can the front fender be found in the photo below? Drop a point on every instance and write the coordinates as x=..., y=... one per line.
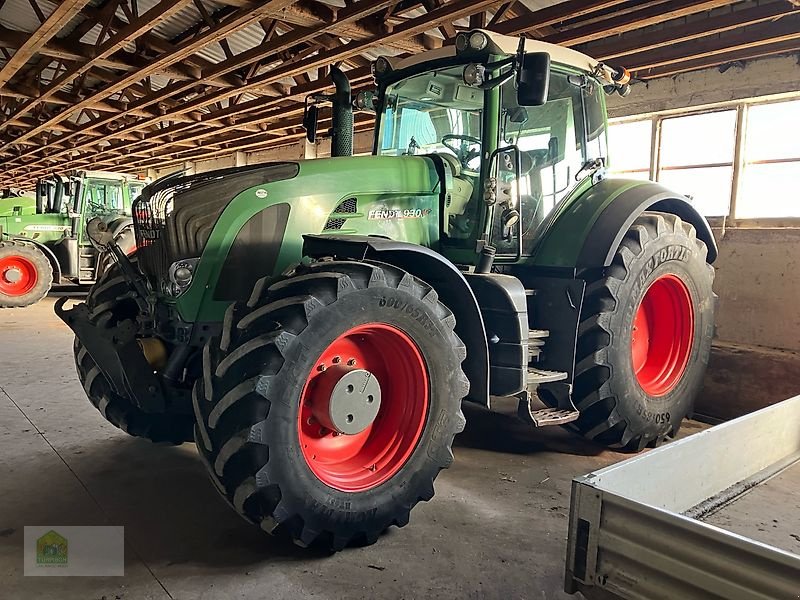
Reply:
x=589, y=231
x=449, y=283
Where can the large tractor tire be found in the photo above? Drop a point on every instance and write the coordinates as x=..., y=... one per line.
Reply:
x=107, y=308
x=26, y=274
x=329, y=404
x=645, y=336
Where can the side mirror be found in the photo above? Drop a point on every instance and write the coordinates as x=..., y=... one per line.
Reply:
x=533, y=79
x=310, y=121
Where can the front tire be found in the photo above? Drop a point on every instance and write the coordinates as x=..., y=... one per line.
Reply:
x=109, y=304
x=645, y=336
x=26, y=274
x=270, y=423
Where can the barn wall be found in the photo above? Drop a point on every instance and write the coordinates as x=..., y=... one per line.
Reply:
x=756, y=355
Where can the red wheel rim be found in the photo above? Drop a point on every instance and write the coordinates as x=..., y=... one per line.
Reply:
x=663, y=330
x=17, y=275
x=362, y=461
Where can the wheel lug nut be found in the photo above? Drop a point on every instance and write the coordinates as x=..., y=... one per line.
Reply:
x=351, y=362
x=321, y=368
x=337, y=360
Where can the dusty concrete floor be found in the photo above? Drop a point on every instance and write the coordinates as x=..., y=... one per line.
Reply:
x=496, y=528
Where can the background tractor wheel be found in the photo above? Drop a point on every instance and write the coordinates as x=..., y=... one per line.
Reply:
x=26, y=274
x=107, y=308
x=645, y=336
x=329, y=405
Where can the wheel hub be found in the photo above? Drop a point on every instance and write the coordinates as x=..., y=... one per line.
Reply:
x=348, y=442
x=348, y=399
x=12, y=275
x=662, y=334
x=18, y=275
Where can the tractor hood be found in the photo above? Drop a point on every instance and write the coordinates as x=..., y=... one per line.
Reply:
x=247, y=230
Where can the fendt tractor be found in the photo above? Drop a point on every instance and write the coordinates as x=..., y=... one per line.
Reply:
x=314, y=326
x=43, y=238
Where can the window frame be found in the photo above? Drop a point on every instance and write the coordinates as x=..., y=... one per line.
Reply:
x=739, y=160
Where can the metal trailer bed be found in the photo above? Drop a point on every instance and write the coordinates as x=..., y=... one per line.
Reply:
x=635, y=528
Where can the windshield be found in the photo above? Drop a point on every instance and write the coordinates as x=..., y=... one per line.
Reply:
x=103, y=196
x=433, y=113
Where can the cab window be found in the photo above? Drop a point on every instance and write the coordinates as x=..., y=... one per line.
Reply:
x=103, y=196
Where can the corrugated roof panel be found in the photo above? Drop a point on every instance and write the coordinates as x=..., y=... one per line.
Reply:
x=19, y=14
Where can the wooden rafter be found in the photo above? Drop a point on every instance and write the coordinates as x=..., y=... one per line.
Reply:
x=47, y=30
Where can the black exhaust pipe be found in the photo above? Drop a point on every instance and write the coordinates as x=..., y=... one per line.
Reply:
x=40, y=196
x=342, y=129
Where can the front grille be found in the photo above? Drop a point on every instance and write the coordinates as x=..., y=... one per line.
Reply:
x=173, y=217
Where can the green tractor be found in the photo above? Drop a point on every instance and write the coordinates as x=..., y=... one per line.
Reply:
x=43, y=238
x=314, y=326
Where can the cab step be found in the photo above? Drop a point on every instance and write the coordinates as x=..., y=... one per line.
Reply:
x=543, y=417
x=538, y=376
x=536, y=341
x=553, y=416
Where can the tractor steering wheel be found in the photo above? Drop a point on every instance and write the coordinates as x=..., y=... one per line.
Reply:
x=464, y=153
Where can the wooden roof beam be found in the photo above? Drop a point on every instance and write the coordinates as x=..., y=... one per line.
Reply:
x=60, y=16
x=225, y=119
x=163, y=9
x=631, y=44
x=272, y=48
x=653, y=63
x=239, y=21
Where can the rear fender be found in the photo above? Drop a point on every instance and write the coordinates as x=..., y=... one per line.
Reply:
x=588, y=233
x=437, y=271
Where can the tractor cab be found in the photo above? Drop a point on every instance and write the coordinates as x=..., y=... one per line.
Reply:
x=520, y=125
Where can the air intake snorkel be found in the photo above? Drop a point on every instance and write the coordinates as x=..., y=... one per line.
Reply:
x=342, y=117
x=342, y=127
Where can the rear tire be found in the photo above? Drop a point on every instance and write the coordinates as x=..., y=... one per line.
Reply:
x=645, y=336
x=107, y=308
x=26, y=274
x=272, y=460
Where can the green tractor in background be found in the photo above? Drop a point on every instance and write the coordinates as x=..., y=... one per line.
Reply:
x=43, y=238
x=314, y=326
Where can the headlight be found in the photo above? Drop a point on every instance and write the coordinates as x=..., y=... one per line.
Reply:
x=462, y=41
x=474, y=74
x=381, y=67
x=478, y=40
x=180, y=276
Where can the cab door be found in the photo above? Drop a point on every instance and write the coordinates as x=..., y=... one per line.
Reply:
x=555, y=142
